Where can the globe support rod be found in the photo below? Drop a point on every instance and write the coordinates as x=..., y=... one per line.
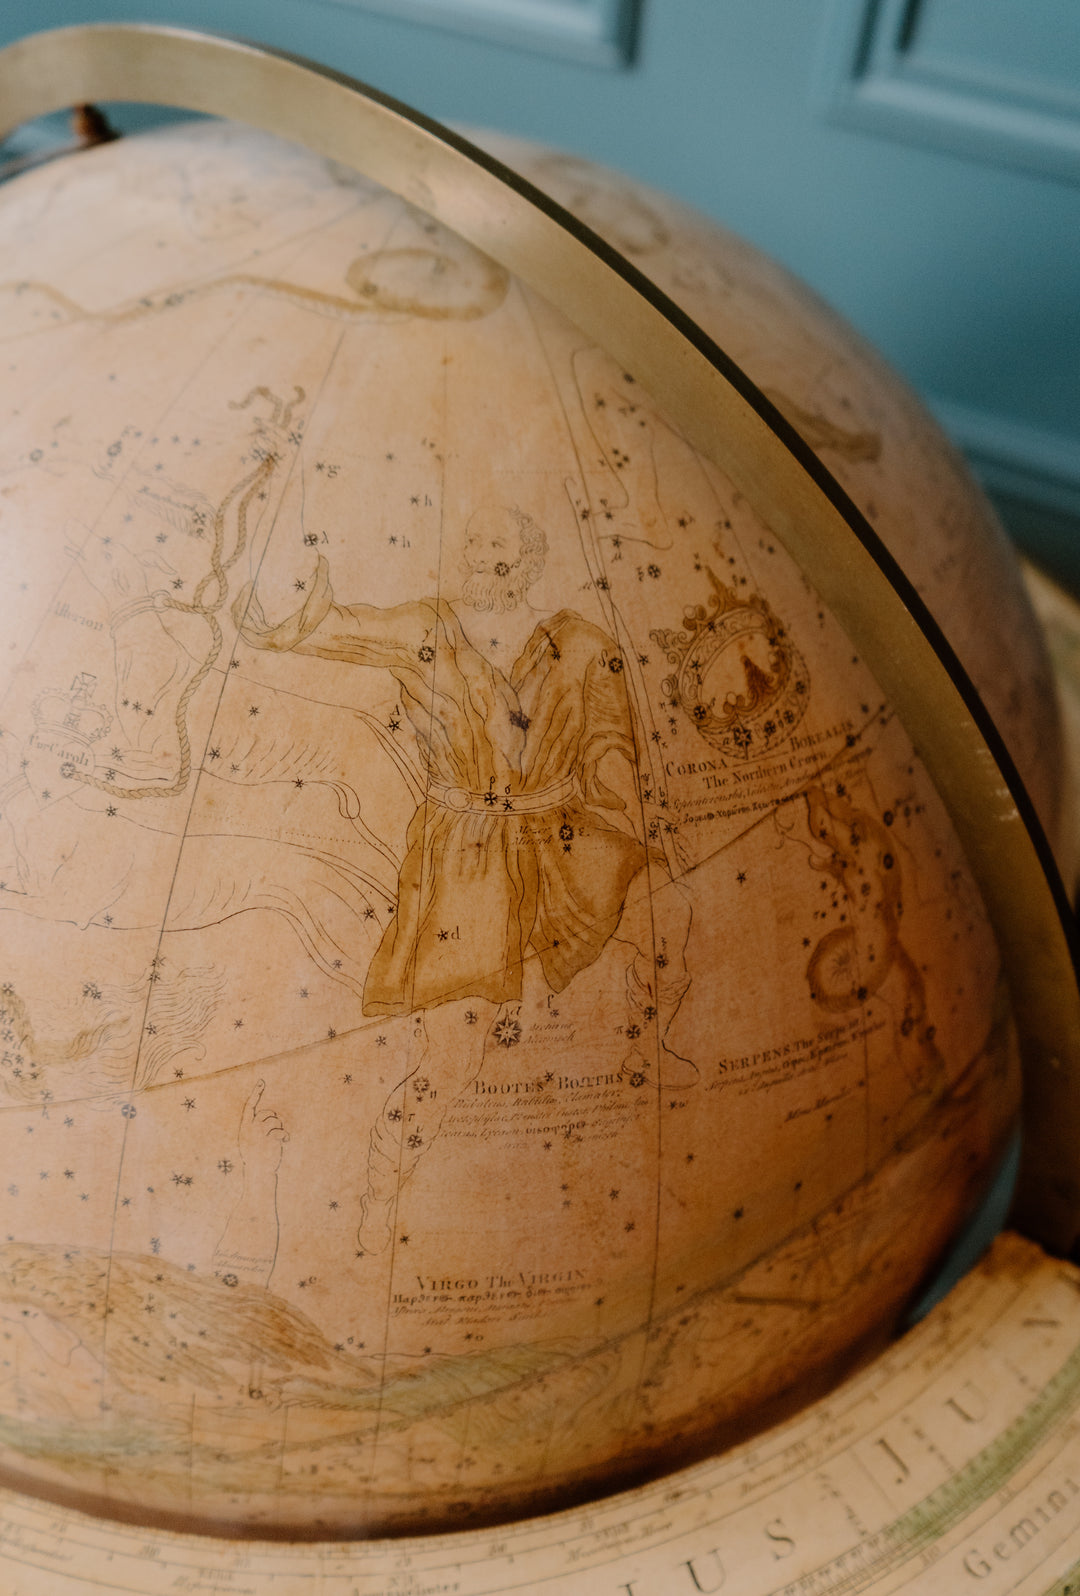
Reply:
x=723, y=414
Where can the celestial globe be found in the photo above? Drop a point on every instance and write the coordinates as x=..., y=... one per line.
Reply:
x=493, y=1004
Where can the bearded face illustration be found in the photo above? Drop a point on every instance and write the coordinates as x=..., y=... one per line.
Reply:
x=504, y=556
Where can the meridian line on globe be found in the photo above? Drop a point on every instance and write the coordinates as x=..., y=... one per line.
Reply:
x=370, y=1201
x=161, y=932
x=596, y=563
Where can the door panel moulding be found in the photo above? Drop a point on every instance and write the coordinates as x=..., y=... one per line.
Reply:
x=882, y=71
x=596, y=32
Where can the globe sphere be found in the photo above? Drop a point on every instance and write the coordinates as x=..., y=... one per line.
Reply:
x=492, y=1002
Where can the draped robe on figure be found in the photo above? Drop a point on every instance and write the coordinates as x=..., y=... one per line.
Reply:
x=512, y=849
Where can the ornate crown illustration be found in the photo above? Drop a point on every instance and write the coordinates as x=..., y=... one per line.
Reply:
x=737, y=674
x=72, y=714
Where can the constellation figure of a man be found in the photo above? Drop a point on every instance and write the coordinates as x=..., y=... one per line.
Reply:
x=523, y=845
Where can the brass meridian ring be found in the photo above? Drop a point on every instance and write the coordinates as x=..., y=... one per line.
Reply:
x=724, y=415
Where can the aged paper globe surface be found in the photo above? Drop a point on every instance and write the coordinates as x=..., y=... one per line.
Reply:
x=491, y=1000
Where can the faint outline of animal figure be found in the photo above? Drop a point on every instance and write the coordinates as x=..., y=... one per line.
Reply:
x=211, y=592
x=851, y=963
x=113, y=1040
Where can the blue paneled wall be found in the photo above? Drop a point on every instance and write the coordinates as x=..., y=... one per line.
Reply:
x=918, y=161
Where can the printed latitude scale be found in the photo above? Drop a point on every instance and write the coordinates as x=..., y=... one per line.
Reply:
x=518, y=935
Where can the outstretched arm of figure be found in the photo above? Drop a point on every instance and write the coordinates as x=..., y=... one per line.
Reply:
x=360, y=634
x=248, y=1247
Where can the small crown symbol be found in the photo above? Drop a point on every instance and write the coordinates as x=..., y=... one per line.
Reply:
x=766, y=694
x=74, y=713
